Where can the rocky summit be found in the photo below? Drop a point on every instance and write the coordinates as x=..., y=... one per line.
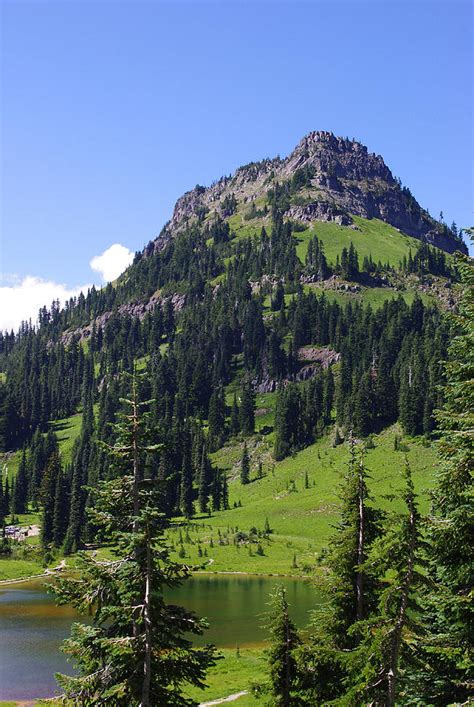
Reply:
x=327, y=178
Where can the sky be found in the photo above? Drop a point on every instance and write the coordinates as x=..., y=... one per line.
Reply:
x=111, y=110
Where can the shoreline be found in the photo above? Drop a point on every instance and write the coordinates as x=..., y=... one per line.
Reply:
x=22, y=580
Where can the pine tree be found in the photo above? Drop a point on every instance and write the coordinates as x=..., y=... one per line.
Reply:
x=281, y=655
x=6, y=498
x=20, y=496
x=392, y=636
x=247, y=410
x=82, y=474
x=245, y=466
x=186, y=491
x=135, y=651
x=48, y=491
x=216, y=417
x=235, y=417
x=60, y=509
x=352, y=590
x=2, y=502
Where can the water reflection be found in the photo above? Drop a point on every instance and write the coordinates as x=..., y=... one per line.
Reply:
x=32, y=627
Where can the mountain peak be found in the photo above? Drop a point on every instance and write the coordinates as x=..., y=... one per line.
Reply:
x=328, y=178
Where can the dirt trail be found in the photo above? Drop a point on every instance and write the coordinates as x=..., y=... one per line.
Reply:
x=47, y=573
x=230, y=698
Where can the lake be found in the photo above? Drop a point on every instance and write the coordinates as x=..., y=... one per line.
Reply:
x=32, y=626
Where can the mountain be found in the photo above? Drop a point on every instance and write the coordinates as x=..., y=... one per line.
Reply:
x=286, y=329
x=327, y=179
x=293, y=296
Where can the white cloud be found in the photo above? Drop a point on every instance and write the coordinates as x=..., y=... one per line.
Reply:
x=21, y=300
x=112, y=262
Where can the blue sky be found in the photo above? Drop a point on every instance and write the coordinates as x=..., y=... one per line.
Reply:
x=111, y=110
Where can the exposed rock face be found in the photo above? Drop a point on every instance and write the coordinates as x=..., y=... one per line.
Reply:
x=345, y=179
x=319, y=211
x=133, y=309
x=337, y=157
x=322, y=355
x=313, y=357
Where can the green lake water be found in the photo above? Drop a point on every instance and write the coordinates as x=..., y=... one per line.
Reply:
x=32, y=626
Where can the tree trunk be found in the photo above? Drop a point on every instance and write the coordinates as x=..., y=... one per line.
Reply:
x=392, y=674
x=136, y=458
x=147, y=619
x=360, y=548
x=286, y=696
x=145, y=701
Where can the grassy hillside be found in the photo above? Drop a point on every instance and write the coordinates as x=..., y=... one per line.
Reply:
x=370, y=237
x=301, y=518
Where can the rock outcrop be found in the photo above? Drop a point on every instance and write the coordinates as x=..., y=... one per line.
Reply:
x=345, y=179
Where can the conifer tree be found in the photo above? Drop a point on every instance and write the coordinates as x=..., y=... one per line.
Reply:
x=82, y=469
x=328, y=396
x=20, y=495
x=392, y=635
x=135, y=651
x=60, y=509
x=205, y=473
x=186, y=490
x=48, y=492
x=235, y=417
x=281, y=655
x=245, y=466
x=352, y=590
x=247, y=410
x=363, y=406
x=216, y=417
x=2, y=502
x=278, y=298
x=289, y=427
x=6, y=498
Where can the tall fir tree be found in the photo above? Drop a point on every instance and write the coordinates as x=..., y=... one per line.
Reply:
x=284, y=640
x=20, y=496
x=186, y=491
x=392, y=635
x=135, y=651
x=247, y=409
x=48, y=495
x=235, y=417
x=245, y=466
